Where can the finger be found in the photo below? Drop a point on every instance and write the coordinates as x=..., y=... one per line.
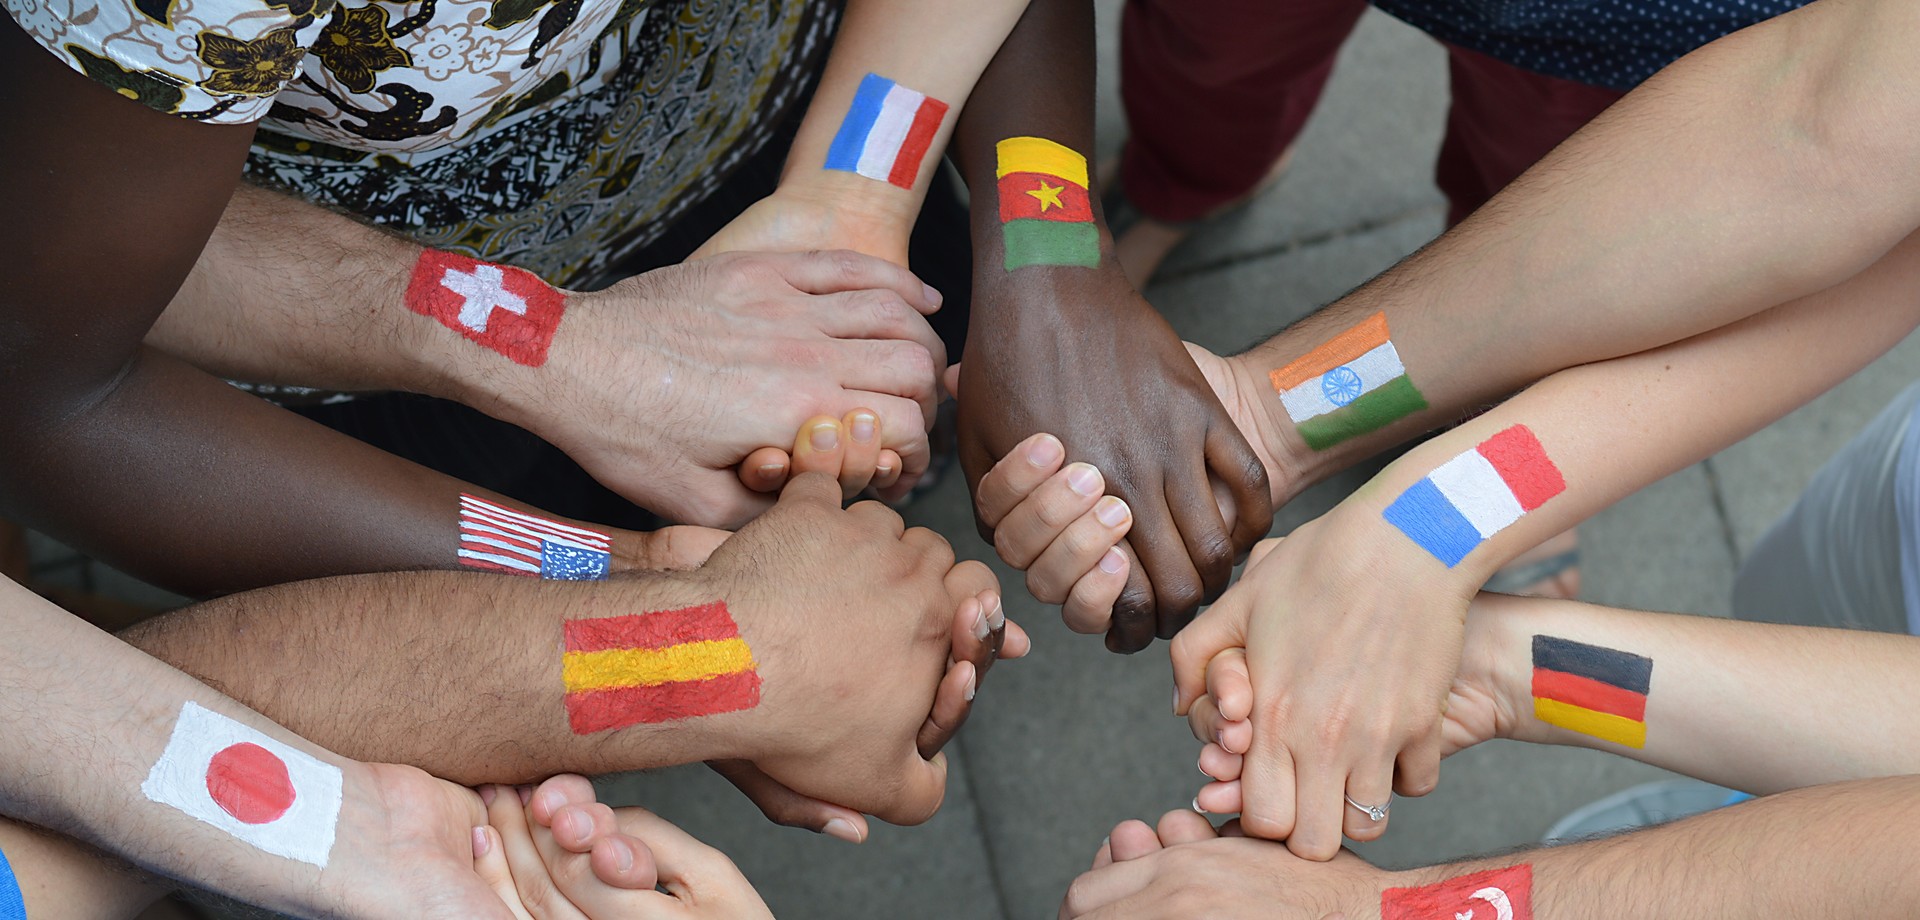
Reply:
x=1232, y=461
x=684, y=861
x=624, y=861
x=1230, y=686
x=1089, y=606
x=1104, y=855
x=882, y=519
x=1220, y=764
x=765, y=469
x=903, y=430
x=1130, y=623
x=891, y=367
x=1267, y=789
x=1132, y=840
x=1077, y=552
x=556, y=793
x=811, y=488
x=1221, y=798
x=1213, y=632
x=886, y=471
x=1016, y=476
x=952, y=700
x=1319, y=808
x=1184, y=826
x=576, y=827
x=1369, y=783
x=1262, y=549
x=614, y=884
x=1203, y=719
x=979, y=628
x=860, y=463
x=820, y=447
x=1017, y=643
x=1417, y=769
x=1205, y=547
x=1031, y=526
x=531, y=878
x=788, y=808
x=834, y=271
x=924, y=787
x=951, y=380
x=877, y=315
x=490, y=863
x=1100, y=887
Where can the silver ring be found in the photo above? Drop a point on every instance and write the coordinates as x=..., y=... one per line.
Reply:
x=1373, y=812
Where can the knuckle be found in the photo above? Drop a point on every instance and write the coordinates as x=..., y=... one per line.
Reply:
x=1260, y=823
x=1044, y=589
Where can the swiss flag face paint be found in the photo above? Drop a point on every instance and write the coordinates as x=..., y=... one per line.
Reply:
x=243, y=782
x=1497, y=894
x=507, y=309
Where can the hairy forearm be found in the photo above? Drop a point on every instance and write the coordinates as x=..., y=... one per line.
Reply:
x=458, y=674
x=1841, y=850
x=1767, y=166
x=1754, y=706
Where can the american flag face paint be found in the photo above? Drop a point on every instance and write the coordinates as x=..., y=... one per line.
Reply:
x=496, y=538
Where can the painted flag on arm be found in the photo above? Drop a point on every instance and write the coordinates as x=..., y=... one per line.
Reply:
x=1349, y=386
x=241, y=781
x=656, y=667
x=887, y=132
x=1046, y=213
x=1496, y=894
x=1477, y=494
x=500, y=539
x=510, y=310
x=1592, y=690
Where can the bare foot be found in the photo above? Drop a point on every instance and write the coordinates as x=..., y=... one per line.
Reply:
x=1142, y=247
x=1551, y=569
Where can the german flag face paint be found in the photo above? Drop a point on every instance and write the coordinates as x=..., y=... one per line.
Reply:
x=657, y=667
x=1595, y=691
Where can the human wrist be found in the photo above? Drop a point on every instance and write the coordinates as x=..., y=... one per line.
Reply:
x=849, y=211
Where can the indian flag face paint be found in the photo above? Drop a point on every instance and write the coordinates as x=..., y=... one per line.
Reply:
x=1046, y=214
x=1349, y=386
x=656, y=667
x=241, y=781
x=1477, y=494
x=1592, y=690
x=1496, y=894
x=887, y=132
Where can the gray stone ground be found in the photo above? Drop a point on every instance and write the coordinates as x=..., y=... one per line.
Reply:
x=1066, y=744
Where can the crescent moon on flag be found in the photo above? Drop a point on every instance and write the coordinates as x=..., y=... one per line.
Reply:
x=1502, y=908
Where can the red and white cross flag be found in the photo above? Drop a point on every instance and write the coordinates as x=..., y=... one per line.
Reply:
x=247, y=784
x=507, y=309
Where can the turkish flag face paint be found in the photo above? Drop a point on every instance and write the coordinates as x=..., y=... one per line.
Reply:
x=245, y=783
x=507, y=309
x=1497, y=894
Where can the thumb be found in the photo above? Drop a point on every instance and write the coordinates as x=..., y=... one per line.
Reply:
x=924, y=789
x=490, y=864
x=951, y=380
x=1221, y=627
x=811, y=489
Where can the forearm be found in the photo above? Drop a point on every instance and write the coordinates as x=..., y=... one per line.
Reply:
x=1800, y=853
x=62, y=879
x=457, y=674
x=1762, y=168
x=1608, y=429
x=1753, y=706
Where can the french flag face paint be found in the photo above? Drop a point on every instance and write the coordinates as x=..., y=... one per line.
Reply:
x=1477, y=494
x=243, y=782
x=887, y=132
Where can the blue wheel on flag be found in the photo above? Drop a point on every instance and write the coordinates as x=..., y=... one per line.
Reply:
x=1340, y=385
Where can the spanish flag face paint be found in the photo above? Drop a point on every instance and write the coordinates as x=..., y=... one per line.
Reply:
x=1046, y=214
x=656, y=667
x=1591, y=690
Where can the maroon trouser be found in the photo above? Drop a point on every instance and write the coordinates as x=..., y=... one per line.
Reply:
x=1216, y=91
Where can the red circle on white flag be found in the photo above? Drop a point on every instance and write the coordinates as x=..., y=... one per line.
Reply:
x=250, y=783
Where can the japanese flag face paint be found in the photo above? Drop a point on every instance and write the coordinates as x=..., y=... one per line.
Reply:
x=1497, y=894
x=506, y=309
x=887, y=132
x=1477, y=494
x=241, y=781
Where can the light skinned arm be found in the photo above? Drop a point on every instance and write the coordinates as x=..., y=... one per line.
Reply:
x=63, y=879
x=1798, y=853
x=1353, y=630
x=1764, y=167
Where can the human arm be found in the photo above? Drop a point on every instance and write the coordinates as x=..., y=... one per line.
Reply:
x=1062, y=343
x=809, y=604
x=62, y=879
x=1798, y=853
x=1353, y=624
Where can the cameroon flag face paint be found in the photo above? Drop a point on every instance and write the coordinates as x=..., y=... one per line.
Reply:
x=1046, y=215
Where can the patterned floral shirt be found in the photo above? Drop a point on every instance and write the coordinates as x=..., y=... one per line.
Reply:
x=558, y=135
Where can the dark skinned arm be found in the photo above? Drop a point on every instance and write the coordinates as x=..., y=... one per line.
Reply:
x=128, y=454
x=1077, y=352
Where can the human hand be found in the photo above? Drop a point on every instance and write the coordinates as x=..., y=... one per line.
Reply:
x=1351, y=645
x=1057, y=525
x=870, y=642
x=1083, y=356
x=581, y=860
x=792, y=219
x=660, y=385
x=1484, y=701
x=1183, y=868
x=847, y=449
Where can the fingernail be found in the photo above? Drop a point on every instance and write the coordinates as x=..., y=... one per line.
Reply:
x=1045, y=452
x=1083, y=479
x=980, y=627
x=579, y=825
x=997, y=617
x=1196, y=805
x=772, y=470
x=973, y=682
x=1111, y=511
x=481, y=843
x=842, y=829
x=1203, y=772
x=933, y=297
x=1220, y=738
x=526, y=793
x=883, y=469
x=825, y=436
x=487, y=794
x=622, y=855
x=863, y=425
x=1112, y=562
